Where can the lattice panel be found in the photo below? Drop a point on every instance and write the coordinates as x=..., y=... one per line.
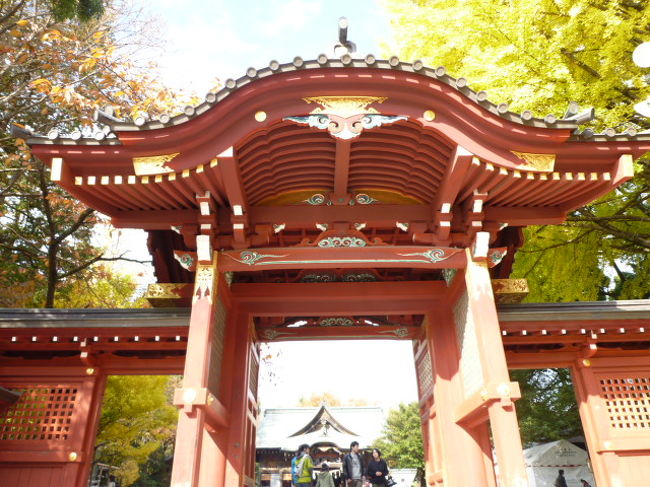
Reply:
x=216, y=348
x=628, y=401
x=470, y=361
x=41, y=413
x=424, y=373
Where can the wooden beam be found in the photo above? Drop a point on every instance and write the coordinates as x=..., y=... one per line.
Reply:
x=454, y=177
x=341, y=171
x=331, y=258
x=339, y=333
x=338, y=298
x=229, y=168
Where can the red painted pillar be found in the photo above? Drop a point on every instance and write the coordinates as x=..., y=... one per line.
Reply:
x=484, y=372
x=203, y=419
x=239, y=342
x=462, y=463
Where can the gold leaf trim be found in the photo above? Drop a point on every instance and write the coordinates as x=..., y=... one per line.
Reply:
x=152, y=165
x=164, y=291
x=344, y=106
x=538, y=162
x=509, y=291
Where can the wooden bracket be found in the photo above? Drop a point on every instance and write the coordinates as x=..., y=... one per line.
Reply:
x=189, y=398
x=474, y=410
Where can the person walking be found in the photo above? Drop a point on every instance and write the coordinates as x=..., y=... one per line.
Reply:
x=353, y=466
x=324, y=477
x=377, y=469
x=560, y=481
x=304, y=467
x=294, y=473
x=585, y=483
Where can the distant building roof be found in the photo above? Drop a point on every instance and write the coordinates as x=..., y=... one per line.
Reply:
x=288, y=428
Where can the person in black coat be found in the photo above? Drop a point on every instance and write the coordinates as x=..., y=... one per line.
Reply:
x=377, y=469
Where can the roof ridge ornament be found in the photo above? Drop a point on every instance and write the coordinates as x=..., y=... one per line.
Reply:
x=344, y=46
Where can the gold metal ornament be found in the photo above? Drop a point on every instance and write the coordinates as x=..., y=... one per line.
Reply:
x=429, y=115
x=152, y=165
x=344, y=106
x=537, y=162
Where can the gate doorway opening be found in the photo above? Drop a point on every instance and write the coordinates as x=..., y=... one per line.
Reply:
x=328, y=394
x=551, y=428
x=134, y=445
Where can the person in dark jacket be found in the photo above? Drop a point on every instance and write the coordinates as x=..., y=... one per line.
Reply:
x=353, y=466
x=377, y=469
x=560, y=481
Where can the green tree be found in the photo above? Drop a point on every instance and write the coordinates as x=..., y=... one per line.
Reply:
x=55, y=75
x=137, y=427
x=548, y=410
x=401, y=440
x=541, y=55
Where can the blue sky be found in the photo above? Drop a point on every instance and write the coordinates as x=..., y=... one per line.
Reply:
x=220, y=38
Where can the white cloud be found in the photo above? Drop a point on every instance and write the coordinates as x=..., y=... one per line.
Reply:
x=293, y=15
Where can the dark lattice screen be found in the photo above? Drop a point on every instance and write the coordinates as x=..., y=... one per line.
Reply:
x=41, y=413
x=628, y=401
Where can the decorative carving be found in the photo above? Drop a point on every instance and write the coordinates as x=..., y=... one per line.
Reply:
x=509, y=291
x=163, y=295
x=495, y=256
x=330, y=242
x=304, y=255
x=228, y=277
x=321, y=199
x=538, y=162
x=345, y=117
x=318, y=199
x=187, y=260
x=151, y=165
x=448, y=275
x=204, y=287
x=319, y=277
x=359, y=277
x=364, y=199
x=432, y=255
x=333, y=277
x=336, y=322
x=398, y=332
x=345, y=106
x=250, y=257
x=271, y=334
x=164, y=291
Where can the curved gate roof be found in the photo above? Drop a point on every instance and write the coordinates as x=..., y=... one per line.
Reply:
x=402, y=152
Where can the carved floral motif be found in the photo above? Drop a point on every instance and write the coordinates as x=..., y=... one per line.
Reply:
x=318, y=199
x=432, y=255
x=331, y=242
x=336, y=322
x=250, y=257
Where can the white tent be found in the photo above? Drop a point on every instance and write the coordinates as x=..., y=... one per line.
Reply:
x=403, y=476
x=544, y=461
